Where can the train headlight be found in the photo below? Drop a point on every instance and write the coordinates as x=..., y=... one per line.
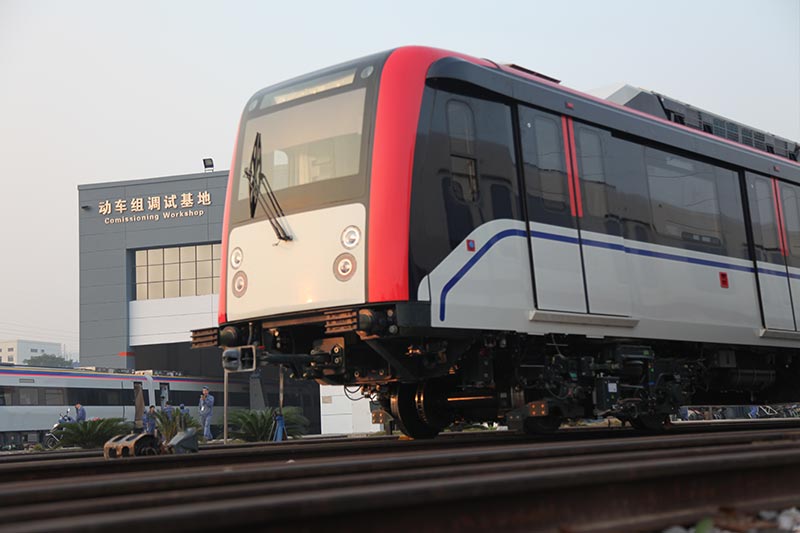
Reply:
x=239, y=285
x=344, y=266
x=237, y=257
x=351, y=236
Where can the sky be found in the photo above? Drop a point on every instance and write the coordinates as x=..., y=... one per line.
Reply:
x=99, y=91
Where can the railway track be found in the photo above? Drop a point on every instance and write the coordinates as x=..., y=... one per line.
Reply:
x=444, y=485
x=81, y=462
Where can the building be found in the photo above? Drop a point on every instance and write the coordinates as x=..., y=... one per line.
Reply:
x=149, y=274
x=18, y=351
x=149, y=270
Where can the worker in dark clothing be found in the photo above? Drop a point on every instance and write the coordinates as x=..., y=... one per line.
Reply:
x=206, y=407
x=149, y=420
x=80, y=413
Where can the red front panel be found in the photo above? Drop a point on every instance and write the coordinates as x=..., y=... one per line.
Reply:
x=399, y=100
x=222, y=316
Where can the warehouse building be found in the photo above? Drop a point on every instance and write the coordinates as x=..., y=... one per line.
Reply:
x=149, y=274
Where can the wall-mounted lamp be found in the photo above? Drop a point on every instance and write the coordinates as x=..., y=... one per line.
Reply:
x=208, y=164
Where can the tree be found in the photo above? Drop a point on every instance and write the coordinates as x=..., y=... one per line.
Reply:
x=50, y=360
x=169, y=426
x=92, y=433
x=258, y=426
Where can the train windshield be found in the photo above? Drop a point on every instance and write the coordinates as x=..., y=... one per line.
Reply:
x=313, y=144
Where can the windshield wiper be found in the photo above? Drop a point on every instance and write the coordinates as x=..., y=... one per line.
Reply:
x=271, y=207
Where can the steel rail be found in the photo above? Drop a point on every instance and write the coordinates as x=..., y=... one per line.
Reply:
x=566, y=433
x=537, y=493
x=62, y=468
x=313, y=477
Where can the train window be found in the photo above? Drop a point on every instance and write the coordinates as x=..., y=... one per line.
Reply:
x=461, y=127
x=6, y=394
x=54, y=397
x=464, y=173
x=683, y=199
x=545, y=168
x=461, y=130
x=790, y=202
x=761, y=201
x=599, y=208
x=731, y=208
x=464, y=181
x=27, y=396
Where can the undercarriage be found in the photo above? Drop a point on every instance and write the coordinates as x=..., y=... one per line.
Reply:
x=429, y=379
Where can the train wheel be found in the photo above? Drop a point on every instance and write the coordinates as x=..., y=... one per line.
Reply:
x=408, y=409
x=649, y=422
x=542, y=425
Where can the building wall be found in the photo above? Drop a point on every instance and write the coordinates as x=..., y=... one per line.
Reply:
x=17, y=351
x=343, y=416
x=112, y=322
x=119, y=331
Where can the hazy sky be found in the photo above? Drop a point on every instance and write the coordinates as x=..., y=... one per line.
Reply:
x=95, y=91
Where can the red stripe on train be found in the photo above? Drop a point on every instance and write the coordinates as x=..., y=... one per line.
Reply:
x=222, y=312
x=396, y=121
x=568, y=162
x=574, y=158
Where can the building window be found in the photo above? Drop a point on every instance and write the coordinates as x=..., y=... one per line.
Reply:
x=34, y=350
x=177, y=272
x=10, y=350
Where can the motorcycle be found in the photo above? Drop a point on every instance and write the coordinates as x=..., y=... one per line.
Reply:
x=53, y=438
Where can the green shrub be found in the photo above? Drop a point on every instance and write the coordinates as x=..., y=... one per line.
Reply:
x=257, y=426
x=168, y=427
x=92, y=433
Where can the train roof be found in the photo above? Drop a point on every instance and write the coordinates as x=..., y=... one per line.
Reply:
x=673, y=110
x=108, y=373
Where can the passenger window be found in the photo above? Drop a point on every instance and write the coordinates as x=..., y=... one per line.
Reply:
x=600, y=212
x=545, y=168
x=683, y=198
x=790, y=201
x=762, y=215
x=461, y=127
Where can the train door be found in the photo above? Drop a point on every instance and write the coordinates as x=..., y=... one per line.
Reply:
x=552, y=213
x=769, y=240
x=605, y=261
x=164, y=393
x=578, y=252
x=789, y=196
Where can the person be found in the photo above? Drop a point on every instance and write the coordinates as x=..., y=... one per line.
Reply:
x=183, y=409
x=167, y=409
x=80, y=413
x=206, y=407
x=149, y=420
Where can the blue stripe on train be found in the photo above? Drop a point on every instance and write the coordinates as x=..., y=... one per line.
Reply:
x=598, y=244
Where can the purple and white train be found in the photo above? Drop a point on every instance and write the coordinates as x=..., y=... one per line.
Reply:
x=31, y=398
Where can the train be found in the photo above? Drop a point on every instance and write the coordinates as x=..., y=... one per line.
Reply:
x=31, y=398
x=469, y=241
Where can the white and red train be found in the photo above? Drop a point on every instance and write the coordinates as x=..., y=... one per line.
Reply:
x=468, y=240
